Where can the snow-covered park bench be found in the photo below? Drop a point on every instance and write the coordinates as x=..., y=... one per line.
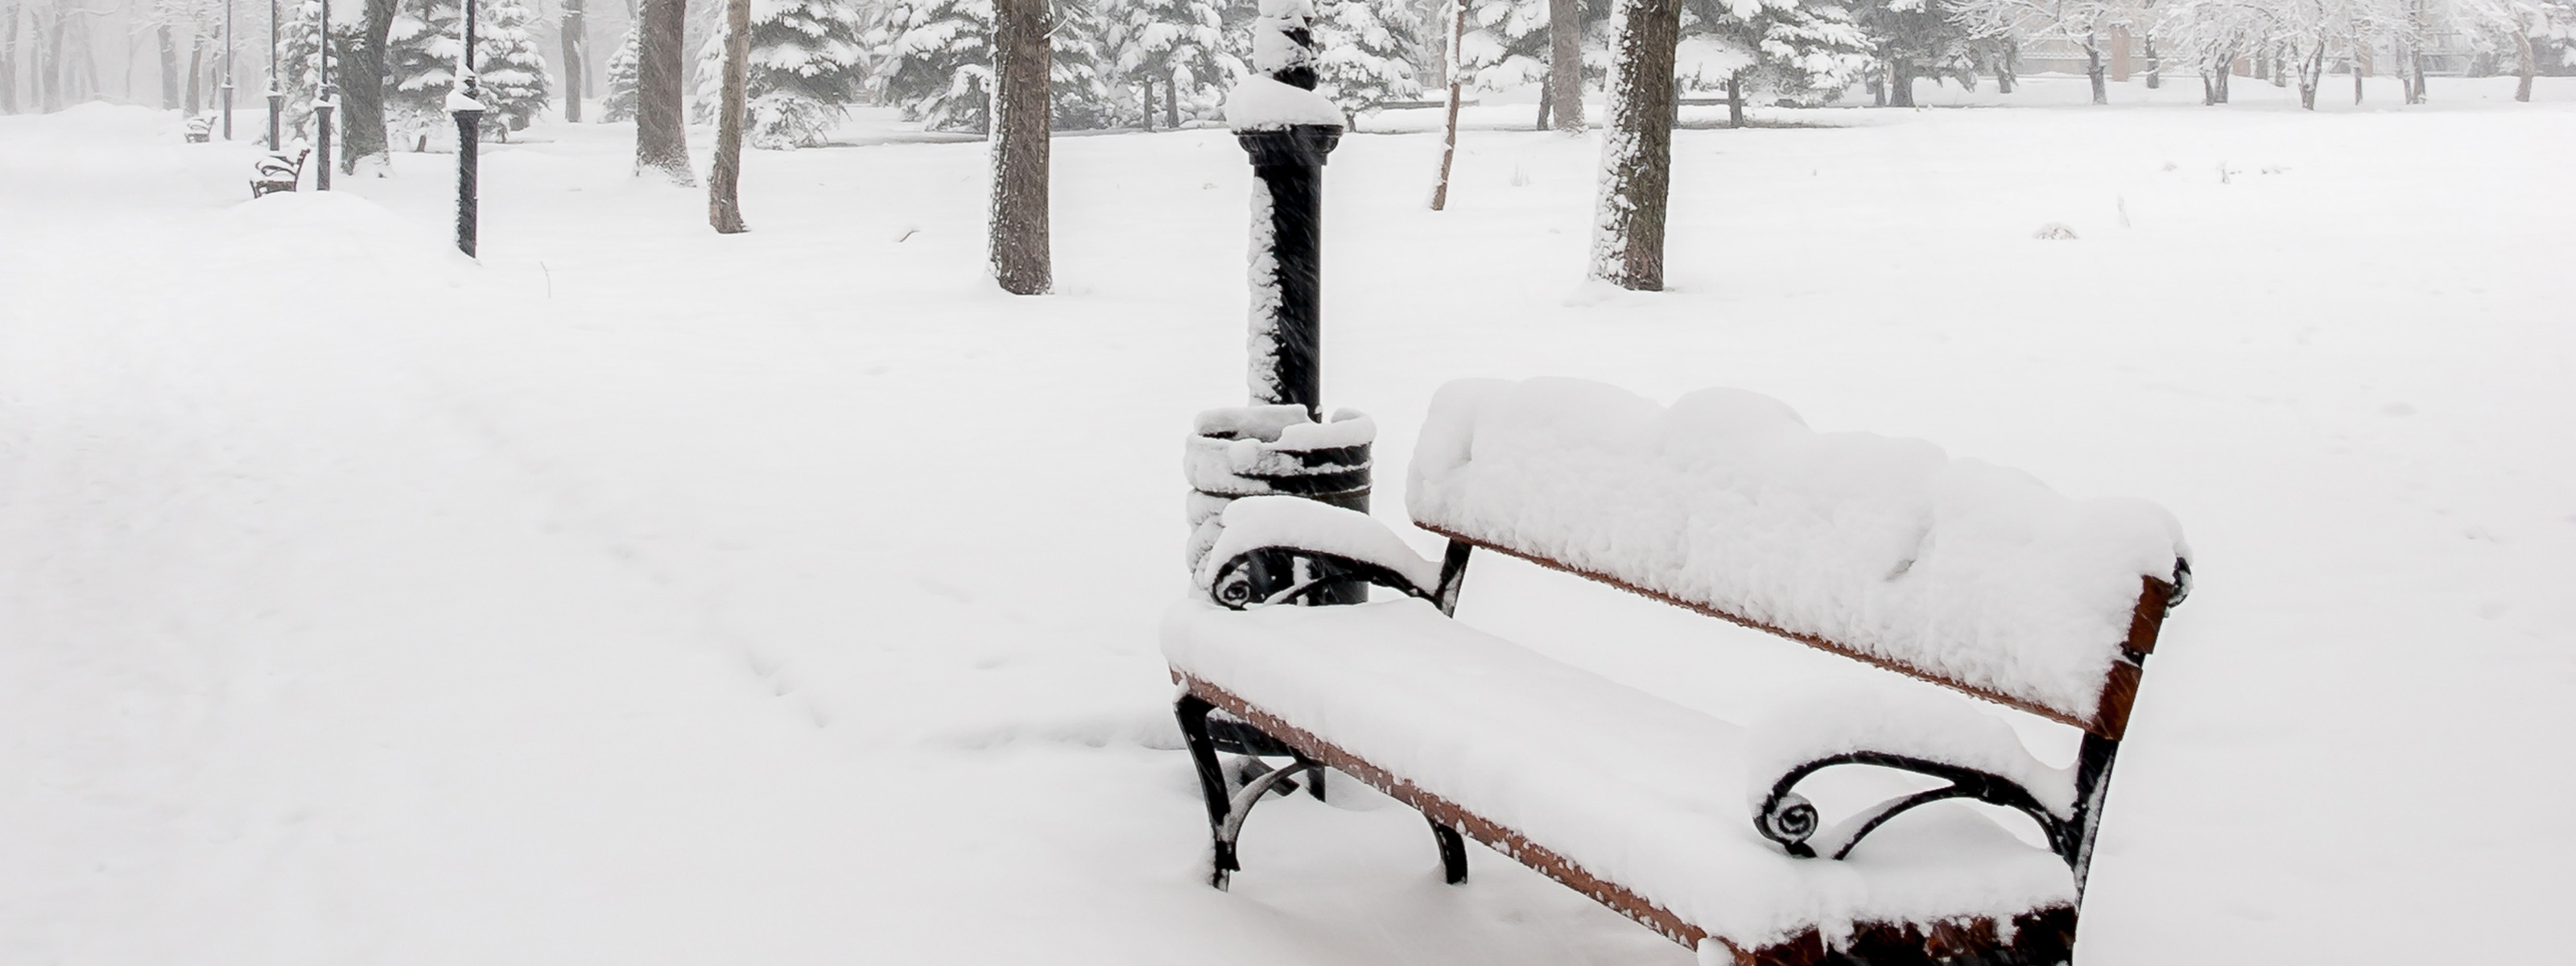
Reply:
x=279, y=171
x=201, y=129
x=1882, y=550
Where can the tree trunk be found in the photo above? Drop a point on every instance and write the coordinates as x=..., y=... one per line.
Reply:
x=724, y=205
x=1565, y=63
x=169, y=65
x=48, y=72
x=2093, y=70
x=1145, y=92
x=1171, y=102
x=661, y=132
x=2415, y=65
x=1735, y=99
x=1900, y=81
x=1020, y=251
x=9, y=57
x=2311, y=74
x=1637, y=157
x=2155, y=65
x=362, y=88
x=2529, y=65
x=2007, y=71
x=196, y=68
x=1546, y=93
x=1449, y=142
x=576, y=57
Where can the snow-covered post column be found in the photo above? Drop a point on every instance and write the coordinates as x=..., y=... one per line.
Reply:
x=324, y=102
x=1280, y=444
x=464, y=102
x=1288, y=129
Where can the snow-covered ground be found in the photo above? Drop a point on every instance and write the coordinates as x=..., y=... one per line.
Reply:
x=640, y=595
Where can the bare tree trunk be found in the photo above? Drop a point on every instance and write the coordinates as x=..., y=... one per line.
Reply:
x=1171, y=103
x=1735, y=99
x=661, y=132
x=1637, y=157
x=48, y=73
x=1565, y=63
x=196, y=69
x=2093, y=70
x=362, y=88
x=1145, y=96
x=9, y=57
x=1900, y=80
x=2007, y=70
x=169, y=66
x=2529, y=65
x=2415, y=66
x=2312, y=73
x=2155, y=65
x=576, y=57
x=1449, y=144
x=1020, y=250
x=724, y=204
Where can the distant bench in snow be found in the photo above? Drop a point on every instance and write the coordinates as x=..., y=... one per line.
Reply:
x=1886, y=551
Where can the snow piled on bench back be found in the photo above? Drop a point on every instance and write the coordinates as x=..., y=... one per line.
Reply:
x=1962, y=570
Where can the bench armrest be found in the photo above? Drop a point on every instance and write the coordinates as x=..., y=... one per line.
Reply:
x=1276, y=549
x=1978, y=757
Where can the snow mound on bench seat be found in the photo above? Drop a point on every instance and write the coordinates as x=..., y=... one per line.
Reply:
x=1957, y=568
x=1634, y=789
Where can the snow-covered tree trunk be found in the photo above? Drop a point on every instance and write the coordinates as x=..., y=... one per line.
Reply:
x=724, y=203
x=169, y=56
x=1900, y=79
x=362, y=88
x=196, y=68
x=1565, y=63
x=2528, y=65
x=1457, y=75
x=2093, y=69
x=1735, y=98
x=1637, y=156
x=2155, y=66
x=661, y=139
x=1019, y=245
x=576, y=57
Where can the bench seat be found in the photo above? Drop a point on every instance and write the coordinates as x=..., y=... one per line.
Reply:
x=1643, y=803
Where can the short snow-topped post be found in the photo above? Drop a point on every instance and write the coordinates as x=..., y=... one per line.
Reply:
x=464, y=101
x=1280, y=444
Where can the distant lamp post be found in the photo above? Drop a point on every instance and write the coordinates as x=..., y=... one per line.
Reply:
x=276, y=98
x=464, y=101
x=325, y=102
x=228, y=70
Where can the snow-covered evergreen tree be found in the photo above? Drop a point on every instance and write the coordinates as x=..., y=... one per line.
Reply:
x=808, y=63
x=1366, y=52
x=1507, y=41
x=618, y=103
x=1180, y=48
x=298, y=59
x=513, y=83
x=1770, y=49
x=934, y=60
x=1078, y=72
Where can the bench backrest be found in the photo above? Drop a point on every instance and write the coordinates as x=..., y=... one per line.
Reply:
x=1886, y=550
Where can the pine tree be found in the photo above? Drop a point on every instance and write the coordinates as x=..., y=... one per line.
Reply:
x=298, y=59
x=934, y=59
x=421, y=67
x=808, y=62
x=618, y=103
x=511, y=71
x=1180, y=46
x=1366, y=50
x=1775, y=47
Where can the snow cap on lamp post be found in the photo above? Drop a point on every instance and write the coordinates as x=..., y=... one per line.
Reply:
x=1288, y=129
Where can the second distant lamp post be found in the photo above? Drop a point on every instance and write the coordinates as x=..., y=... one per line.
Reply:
x=467, y=105
x=325, y=104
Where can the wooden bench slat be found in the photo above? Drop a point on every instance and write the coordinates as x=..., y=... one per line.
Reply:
x=2118, y=693
x=2041, y=935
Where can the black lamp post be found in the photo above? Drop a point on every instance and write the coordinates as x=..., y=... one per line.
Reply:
x=276, y=98
x=1250, y=451
x=466, y=104
x=228, y=70
x=1288, y=157
x=324, y=104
